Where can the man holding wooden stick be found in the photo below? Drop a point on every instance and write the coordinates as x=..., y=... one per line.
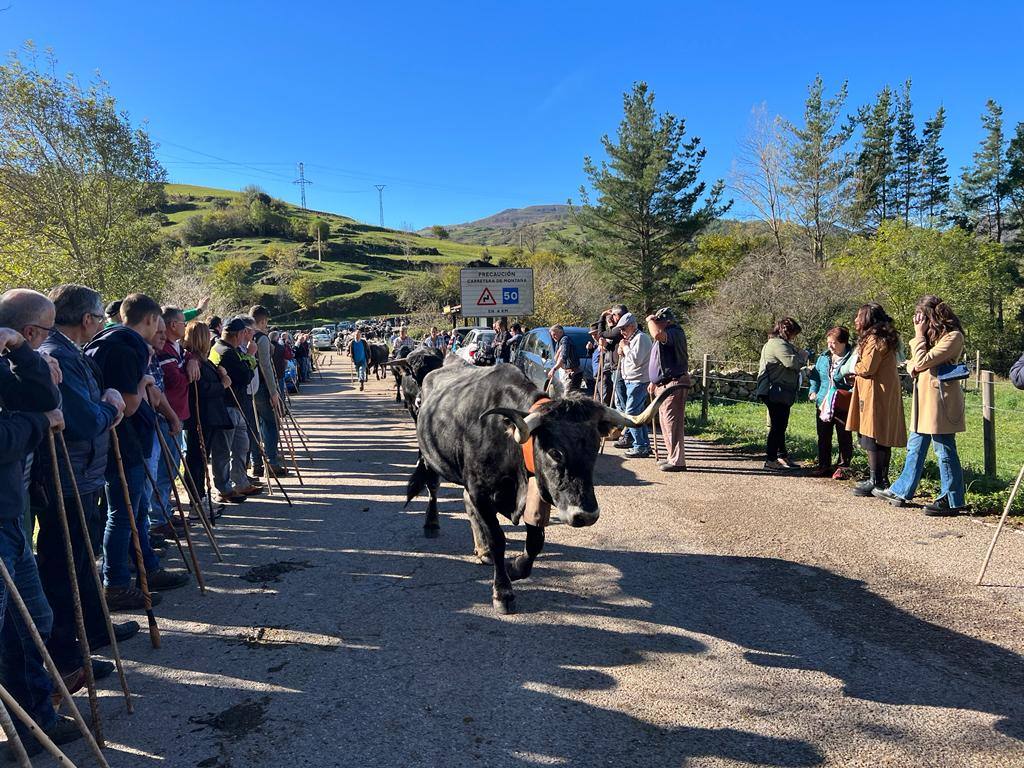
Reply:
x=25, y=378
x=122, y=354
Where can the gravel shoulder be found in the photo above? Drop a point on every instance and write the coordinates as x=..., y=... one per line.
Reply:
x=719, y=617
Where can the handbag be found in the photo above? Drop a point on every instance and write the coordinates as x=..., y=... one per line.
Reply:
x=952, y=372
x=841, y=402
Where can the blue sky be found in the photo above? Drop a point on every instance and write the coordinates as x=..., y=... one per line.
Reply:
x=464, y=109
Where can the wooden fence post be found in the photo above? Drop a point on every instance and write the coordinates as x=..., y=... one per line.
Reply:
x=988, y=415
x=704, y=394
x=977, y=369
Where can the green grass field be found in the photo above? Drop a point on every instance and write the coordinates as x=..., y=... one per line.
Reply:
x=360, y=265
x=744, y=425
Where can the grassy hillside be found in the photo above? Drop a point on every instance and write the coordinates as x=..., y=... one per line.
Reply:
x=360, y=262
x=538, y=223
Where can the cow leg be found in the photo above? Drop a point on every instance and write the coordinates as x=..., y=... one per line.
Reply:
x=502, y=597
x=481, y=549
x=432, y=525
x=521, y=566
x=398, y=388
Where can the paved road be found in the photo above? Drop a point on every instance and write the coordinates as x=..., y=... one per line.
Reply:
x=717, y=618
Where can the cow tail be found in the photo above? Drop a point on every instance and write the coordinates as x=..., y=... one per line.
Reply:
x=421, y=477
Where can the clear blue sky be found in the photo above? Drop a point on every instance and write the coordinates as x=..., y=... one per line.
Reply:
x=464, y=109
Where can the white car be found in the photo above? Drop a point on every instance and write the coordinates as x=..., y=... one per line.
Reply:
x=475, y=340
x=322, y=338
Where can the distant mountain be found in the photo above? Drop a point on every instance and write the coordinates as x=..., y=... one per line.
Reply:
x=535, y=222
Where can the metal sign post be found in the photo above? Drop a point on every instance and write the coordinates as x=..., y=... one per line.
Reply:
x=496, y=292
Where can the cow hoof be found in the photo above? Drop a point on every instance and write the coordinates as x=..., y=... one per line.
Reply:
x=504, y=606
x=518, y=568
x=484, y=558
x=431, y=531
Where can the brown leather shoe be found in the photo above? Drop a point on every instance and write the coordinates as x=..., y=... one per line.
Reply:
x=252, y=490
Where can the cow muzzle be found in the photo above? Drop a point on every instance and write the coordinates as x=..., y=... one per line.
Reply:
x=577, y=517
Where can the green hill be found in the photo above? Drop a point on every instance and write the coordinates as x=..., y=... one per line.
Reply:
x=532, y=227
x=360, y=262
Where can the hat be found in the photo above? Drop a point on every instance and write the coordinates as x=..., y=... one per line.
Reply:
x=235, y=325
x=594, y=327
x=665, y=313
x=113, y=309
x=626, y=319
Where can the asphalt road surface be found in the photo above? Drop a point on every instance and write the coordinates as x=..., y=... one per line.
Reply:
x=721, y=617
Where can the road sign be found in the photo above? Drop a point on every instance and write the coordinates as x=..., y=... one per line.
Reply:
x=496, y=291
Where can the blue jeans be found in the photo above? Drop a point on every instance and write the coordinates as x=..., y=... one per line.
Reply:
x=118, y=550
x=268, y=428
x=636, y=401
x=360, y=370
x=22, y=666
x=162, y=501
x=149, y=504
x=619, y=387
x=951, y=474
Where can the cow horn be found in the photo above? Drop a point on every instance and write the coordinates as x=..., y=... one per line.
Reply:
x=399, y=362
x=625, y=420
x=524, y=422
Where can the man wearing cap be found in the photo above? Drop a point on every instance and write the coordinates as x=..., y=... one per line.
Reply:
x=232, y=445
x=670, y=364
x=634, y=366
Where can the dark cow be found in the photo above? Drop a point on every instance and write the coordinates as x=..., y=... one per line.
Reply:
x=410, y=372
x=378, y=360
x=477, y=427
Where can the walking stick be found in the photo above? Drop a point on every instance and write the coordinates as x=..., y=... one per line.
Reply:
x=26, y=617
x=166, y=516
x=140, y=565
x=266, y=461
x=654, y=437
x=194, y=500
x=111, y=635
x=302, y=437
x=206, y=456
x=282, y=429
x=32, y=728
x=13, y=740
x=1002, y=521
x=76, y=597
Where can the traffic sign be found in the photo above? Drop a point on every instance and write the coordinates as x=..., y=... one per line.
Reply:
x=497, y=291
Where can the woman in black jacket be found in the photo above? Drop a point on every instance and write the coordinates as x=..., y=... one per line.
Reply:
x=208, y=391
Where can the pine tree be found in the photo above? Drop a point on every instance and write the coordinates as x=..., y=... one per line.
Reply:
x=934, y=198
x=1013, y=183
x=817, y=167
x=906, y=153
x=875, y=168
x=982, y=191
x=650, y=199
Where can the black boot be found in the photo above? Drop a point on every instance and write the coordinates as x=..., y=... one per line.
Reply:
x=865, y=488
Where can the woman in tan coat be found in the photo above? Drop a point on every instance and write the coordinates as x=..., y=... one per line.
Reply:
x=876, y=410
x=938, y=412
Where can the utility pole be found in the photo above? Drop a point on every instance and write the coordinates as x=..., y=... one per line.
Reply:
x=380, y=196
x=302, y=181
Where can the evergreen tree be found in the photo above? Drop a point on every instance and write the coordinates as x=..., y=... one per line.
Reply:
x=1014, y=181
x=906, y=154
x=649, y=199
x=982, y=191
x=817, y=168
x=875, y=168
x=934, y=197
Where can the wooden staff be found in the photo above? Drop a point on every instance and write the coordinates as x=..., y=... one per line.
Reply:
x=259, y=445
x=198, y=504
x=166, y=516
x=282, y=429
x=111, y=635
x=654, y=437
x=76, y=596
x=140, y=565
x=1002, y=521
x=301, y=436
x=26, y=617
x=13, y=740
x=34, y=730
x=205, y=455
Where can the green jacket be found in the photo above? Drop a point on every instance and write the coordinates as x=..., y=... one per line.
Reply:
x=780, y=364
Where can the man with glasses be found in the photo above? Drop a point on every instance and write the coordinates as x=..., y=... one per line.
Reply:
x=90, y=412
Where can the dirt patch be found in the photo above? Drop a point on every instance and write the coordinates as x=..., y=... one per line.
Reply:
x=239, y=721
x=272, y=572
x=270, y=638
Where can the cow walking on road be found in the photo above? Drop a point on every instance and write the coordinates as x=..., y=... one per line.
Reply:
x=515, y=452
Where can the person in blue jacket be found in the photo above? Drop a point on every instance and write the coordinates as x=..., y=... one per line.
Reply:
x=1017, y=373
x=830, y=392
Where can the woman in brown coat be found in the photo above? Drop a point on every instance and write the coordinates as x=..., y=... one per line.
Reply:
x=938, y=412
x=876, y=410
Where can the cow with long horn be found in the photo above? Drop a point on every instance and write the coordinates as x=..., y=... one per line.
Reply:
x=515, y=452
x=410, y=371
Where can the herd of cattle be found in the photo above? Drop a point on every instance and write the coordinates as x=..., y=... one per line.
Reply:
x=515, y=451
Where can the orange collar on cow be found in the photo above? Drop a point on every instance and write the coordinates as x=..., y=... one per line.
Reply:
x=531, y=467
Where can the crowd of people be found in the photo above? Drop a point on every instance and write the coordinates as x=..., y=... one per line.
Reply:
x=858, y=389
x=137, y=393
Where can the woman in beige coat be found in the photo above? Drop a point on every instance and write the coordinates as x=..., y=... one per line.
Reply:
x=938, y=412
x=876, y=409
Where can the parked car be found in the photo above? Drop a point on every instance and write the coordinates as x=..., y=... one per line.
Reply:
x=459, y=334
x=346, y=325
x=535, y=356
x=322, y=338
x=476, y=340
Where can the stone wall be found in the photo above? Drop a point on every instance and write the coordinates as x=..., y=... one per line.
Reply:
x=731, y=383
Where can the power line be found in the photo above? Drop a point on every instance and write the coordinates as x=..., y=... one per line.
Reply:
x=380, y=196
x=302, y=181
